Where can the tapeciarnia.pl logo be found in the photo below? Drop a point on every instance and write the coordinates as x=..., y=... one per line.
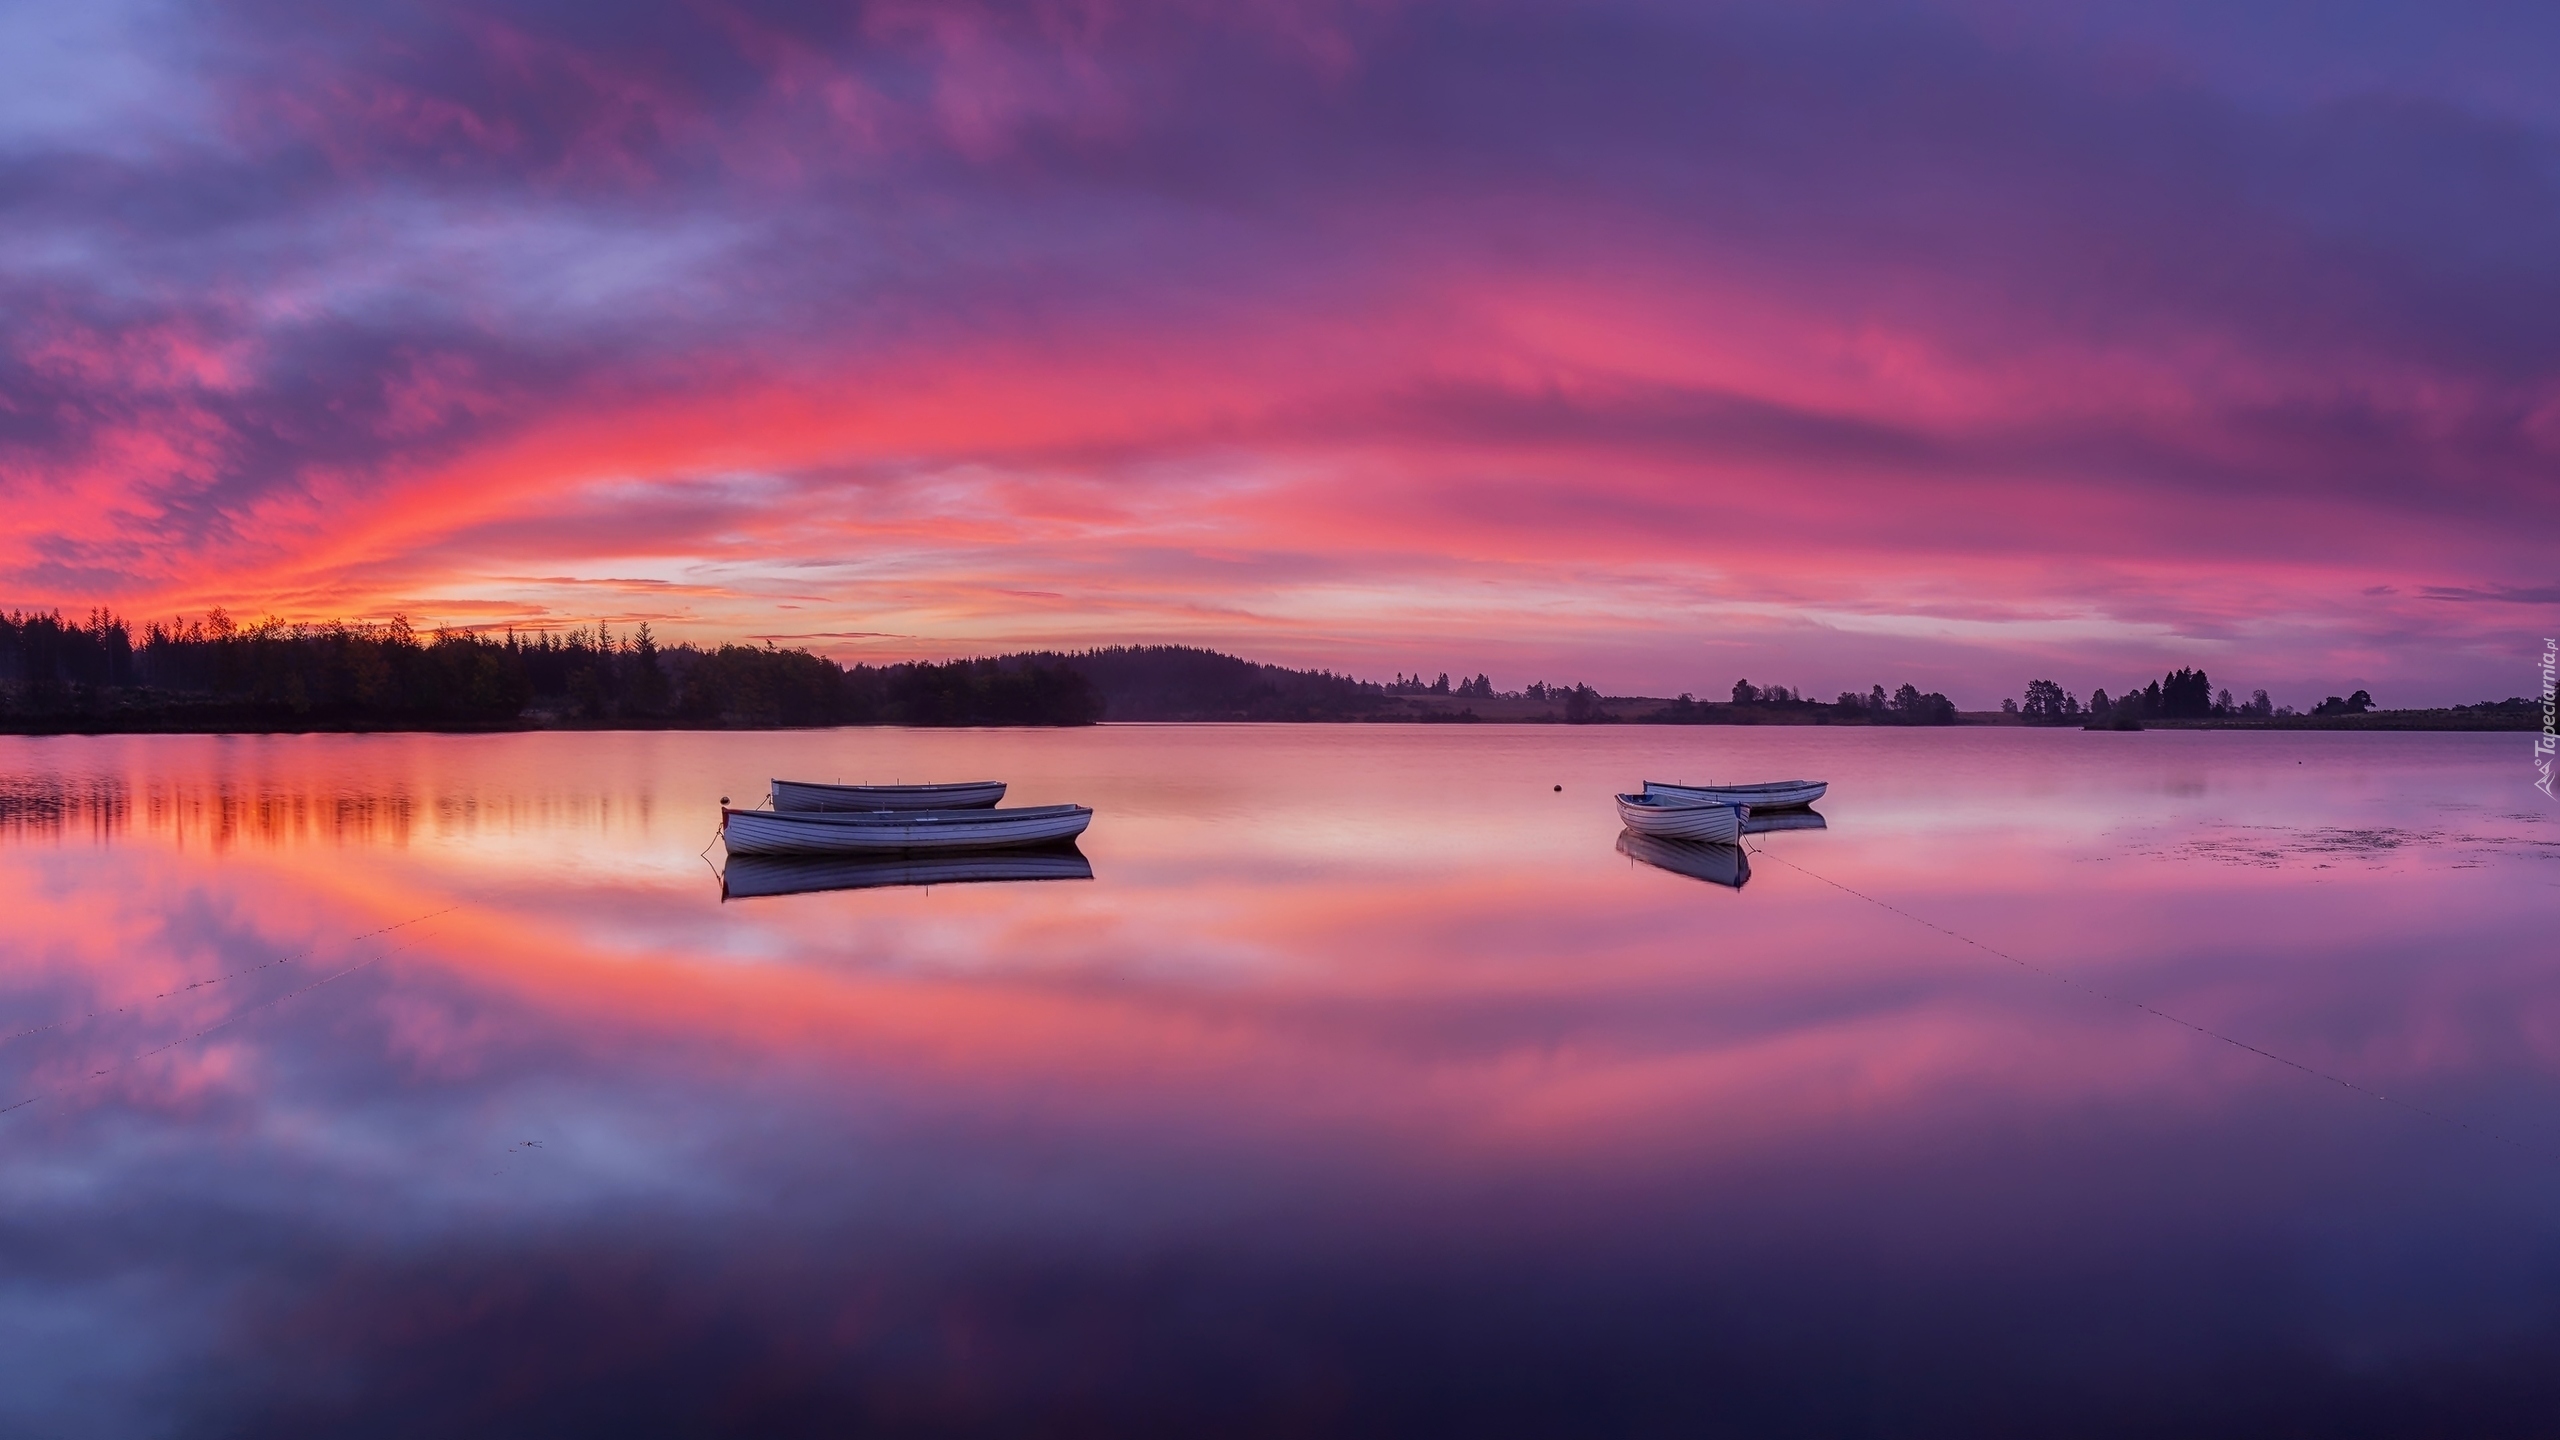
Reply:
x=2544, y=743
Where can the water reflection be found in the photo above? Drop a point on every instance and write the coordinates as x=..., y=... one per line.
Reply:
x=219, y=813
x=1724, y=865
x=45, y=805
x=1364, y=1088
x=750, y=876
x=1771, y=823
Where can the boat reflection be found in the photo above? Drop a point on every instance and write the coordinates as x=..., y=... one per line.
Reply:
x=755, y=876
x=1724, y=865
x=1784, y=820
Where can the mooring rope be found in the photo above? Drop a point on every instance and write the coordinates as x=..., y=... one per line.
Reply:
x=2065, y=978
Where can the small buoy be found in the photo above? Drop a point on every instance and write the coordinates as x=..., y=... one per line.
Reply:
x=724, y=799
x=1559, y=789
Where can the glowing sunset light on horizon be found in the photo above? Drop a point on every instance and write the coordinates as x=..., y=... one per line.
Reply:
x=1956, y=342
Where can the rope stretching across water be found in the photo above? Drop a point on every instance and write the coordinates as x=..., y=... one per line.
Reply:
x=2065, y=978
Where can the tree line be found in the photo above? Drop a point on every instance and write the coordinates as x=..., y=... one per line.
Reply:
x=214, y=672
x=2182, y=694
x=1480, y=688
x=1906, y=704
x=99, y=672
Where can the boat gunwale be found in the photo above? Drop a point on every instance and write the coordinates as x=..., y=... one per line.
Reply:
x=818, y=797
x=1653, y=802
x=1765, y=794
x=1714, y=822
x=887, y=789
x=905, y=817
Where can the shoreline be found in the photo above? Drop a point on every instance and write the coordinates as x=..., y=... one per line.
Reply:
x=2407, y=721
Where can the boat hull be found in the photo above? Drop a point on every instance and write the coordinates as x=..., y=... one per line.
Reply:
x=766, y=832
x=752, y=876
x=1774, y=795
x=806, y=796
x=1712, y=822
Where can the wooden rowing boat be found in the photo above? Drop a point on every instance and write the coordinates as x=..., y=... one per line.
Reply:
x=1769, y=795
x=768, y=832
x=1677, y=819
x=809, y=795
x=752, y=876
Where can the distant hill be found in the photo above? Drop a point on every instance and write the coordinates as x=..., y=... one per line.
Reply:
x=1181, y=682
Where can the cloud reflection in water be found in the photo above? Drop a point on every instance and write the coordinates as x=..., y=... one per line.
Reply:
x=1364, y=1088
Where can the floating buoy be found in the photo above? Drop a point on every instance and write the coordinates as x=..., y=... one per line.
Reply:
x=1559, y=789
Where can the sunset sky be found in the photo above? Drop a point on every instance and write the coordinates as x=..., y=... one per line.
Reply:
x=1651, y=344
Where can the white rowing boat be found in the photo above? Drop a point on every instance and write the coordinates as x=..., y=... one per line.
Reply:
x=1771, y=795
x=889, y=832
x=1675, y=819
x=1725, y=865
x=752, y=876
x=809, y=795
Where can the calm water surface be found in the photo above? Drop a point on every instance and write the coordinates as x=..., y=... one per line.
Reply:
x=427, y=1085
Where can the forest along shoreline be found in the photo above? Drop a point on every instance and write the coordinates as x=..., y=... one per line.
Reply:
x=99, y=676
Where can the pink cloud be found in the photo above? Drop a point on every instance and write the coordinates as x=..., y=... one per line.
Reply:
x=1325, y=334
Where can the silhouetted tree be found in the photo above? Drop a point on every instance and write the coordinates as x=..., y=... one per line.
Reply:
x=648, y=687
x=1910, y=706
x=2182, y=694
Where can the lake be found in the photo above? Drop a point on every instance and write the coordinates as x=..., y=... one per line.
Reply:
x=428, y=1085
